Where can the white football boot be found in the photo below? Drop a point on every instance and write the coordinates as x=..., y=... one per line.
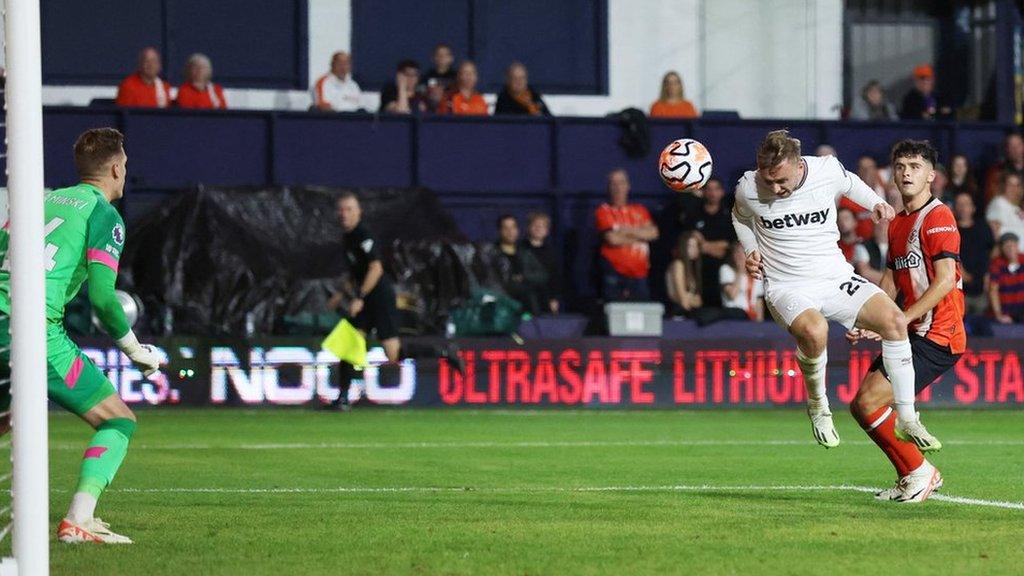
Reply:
x=92, y=530
x=919, y=484
x=822, y=427
x=914, y=431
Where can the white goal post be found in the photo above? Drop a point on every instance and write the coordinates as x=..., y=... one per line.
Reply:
x=29, y=446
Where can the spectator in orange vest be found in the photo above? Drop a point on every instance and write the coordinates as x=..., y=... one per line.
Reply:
x=672, y=103
x=198, y=90
x=464, y=100
x=626, y=233
x=144, y=88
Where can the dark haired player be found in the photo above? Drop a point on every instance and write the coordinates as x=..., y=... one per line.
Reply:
x=84, y=238
x=923, y=269
x=372, y=307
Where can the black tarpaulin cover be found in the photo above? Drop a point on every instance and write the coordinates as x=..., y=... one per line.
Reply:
x=222, y=258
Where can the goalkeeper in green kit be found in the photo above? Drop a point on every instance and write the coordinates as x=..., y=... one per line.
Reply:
x=84, y=238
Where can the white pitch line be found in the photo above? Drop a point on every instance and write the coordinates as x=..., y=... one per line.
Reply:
x=560, y=489
x=524, y=444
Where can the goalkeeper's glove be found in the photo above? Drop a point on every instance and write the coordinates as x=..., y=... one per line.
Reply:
x=142, y=355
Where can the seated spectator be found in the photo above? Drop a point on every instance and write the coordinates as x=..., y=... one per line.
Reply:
x=683, y=278
x=961, y=178
x=144, y=88
x=868, y=171
x=1006, y=281
x=538, y=230
x=740, y=292
x=1004, y=212
x=920, y=103
x=672, y=102
x=825, y=150
x=1012, y=162
x=443, y=73
x=711, y=217
x=336, y=90
x=522, y=277
x=939, y=185
x=626, y=233
x=464, y=100
x=869, y=255
x=873, y=104
x=517, y=97
x=976, y=244
x=198, y=90
x=402, y=96
x=848, y=238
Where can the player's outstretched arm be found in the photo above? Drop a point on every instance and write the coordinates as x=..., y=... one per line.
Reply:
x=104, y=240
x=856, y=190
x=111, y=315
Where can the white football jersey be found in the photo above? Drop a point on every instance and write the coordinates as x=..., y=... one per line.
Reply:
x=797, y=236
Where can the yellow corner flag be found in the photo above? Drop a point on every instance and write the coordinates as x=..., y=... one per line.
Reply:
x=347, y=343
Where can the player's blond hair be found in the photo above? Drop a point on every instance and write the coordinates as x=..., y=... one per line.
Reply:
x=777, y=147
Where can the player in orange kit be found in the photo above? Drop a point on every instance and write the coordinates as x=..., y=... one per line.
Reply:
x=923, y=268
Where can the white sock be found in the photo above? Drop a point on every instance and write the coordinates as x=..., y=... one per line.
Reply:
x=897, y=357
x=83, y=506
x=814, y=378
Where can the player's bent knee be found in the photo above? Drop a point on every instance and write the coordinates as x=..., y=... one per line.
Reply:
x=811, y=335
x=874, y=392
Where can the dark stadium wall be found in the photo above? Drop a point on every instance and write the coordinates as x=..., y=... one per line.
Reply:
x=251, y=44
x=490, y=33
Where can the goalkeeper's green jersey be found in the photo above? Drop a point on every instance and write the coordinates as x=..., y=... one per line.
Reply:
x=84, y=239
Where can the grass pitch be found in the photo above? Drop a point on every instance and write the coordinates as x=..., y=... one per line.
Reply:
x=540, y=492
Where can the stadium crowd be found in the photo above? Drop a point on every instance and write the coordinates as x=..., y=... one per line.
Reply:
x=703, y=268
x=692, y=241
x=452, y=88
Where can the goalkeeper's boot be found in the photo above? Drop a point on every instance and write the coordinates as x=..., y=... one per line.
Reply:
x=92, y=530
x=919, y=484
x=822, y=426
x=914, y=431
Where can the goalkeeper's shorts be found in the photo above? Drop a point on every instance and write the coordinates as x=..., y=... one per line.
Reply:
x=72, y=380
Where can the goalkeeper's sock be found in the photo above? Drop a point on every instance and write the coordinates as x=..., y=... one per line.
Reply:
x=898, y=359
x=813, y=370
x=102, y=458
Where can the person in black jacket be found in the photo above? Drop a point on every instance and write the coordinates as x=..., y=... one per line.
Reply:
x=517, y=97
x=522, y=277
x=538, y=243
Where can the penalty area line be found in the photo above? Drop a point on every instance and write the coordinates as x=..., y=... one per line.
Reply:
x=695, y=488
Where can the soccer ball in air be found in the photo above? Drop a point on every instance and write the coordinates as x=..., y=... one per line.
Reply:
x=685, y=164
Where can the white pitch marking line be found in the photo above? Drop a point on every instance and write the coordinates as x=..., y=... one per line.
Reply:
x=558, y=489
x=525, y=444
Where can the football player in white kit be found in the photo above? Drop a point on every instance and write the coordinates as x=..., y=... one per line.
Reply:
x=785, y=217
